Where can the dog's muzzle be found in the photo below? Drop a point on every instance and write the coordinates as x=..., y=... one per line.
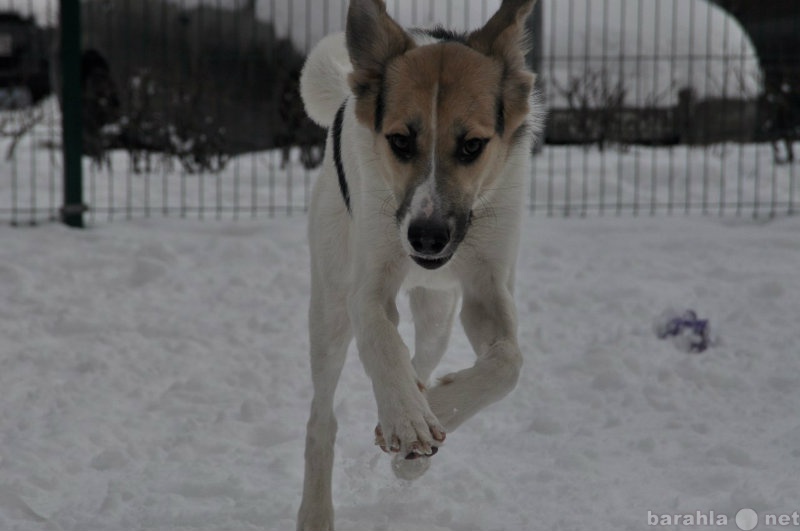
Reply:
x=430, y=240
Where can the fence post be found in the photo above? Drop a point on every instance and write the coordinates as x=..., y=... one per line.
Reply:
x=71, y=112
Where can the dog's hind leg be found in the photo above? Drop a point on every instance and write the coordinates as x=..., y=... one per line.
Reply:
x=330, y=336
x=433, y=312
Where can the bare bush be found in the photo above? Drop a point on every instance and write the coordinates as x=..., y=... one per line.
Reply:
x=200, y=83
x=597, y=104
x=16, y=124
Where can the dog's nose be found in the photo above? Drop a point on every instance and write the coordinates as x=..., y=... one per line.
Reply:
x=428, y=237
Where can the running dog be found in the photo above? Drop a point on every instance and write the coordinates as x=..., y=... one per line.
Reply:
x=422, y=188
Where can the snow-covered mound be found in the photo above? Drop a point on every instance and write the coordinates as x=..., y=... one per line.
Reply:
x=711, y=51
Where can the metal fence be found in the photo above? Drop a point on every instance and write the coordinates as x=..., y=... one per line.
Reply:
x=190, y=107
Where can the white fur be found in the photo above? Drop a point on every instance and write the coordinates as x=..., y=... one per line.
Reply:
x=359, y=262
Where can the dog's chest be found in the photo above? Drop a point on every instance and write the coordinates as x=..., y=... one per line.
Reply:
x=440, y=279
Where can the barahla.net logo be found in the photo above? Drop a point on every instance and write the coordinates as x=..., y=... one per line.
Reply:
x=745, y=519
x=698, y=518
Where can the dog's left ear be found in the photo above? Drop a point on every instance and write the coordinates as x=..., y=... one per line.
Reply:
x=505, y=38
x=373, y=39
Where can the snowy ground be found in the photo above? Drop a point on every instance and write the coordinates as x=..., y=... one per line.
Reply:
x=154, y=376
x=155, y=373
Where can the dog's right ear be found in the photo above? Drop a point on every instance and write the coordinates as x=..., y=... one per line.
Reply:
x=373, y=39
x=504, y=38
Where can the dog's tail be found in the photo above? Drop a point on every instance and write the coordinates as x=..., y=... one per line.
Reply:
x=323, y=83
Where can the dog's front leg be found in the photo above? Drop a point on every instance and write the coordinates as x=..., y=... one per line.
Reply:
x=489, y=318
x=406, y=423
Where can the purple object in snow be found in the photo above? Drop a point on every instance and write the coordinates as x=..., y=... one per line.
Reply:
x=689, y=327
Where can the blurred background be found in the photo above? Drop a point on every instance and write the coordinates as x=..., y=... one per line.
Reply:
x=191, y=108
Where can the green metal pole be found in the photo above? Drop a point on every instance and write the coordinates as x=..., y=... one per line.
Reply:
x=72, y=129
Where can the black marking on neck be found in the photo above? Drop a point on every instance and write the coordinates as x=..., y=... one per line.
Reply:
x=337, y=155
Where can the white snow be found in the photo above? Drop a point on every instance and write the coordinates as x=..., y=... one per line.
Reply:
x=154, y=375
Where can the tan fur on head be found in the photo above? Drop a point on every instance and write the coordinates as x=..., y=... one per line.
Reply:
x=374, y=40
x=441, y=95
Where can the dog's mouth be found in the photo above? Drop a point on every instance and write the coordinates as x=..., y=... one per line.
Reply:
x=431, y=263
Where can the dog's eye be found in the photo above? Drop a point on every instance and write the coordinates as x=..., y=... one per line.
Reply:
x=402, y=145
x=471, y=149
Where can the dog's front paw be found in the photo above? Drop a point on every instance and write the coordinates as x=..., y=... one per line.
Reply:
x=408, y=427
x=409, y=469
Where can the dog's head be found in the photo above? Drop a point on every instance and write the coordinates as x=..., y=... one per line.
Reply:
x=444, y=116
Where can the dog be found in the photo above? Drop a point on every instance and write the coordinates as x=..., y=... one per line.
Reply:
x=422, y=189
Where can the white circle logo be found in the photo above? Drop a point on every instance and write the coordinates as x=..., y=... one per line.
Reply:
x=747, y=519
